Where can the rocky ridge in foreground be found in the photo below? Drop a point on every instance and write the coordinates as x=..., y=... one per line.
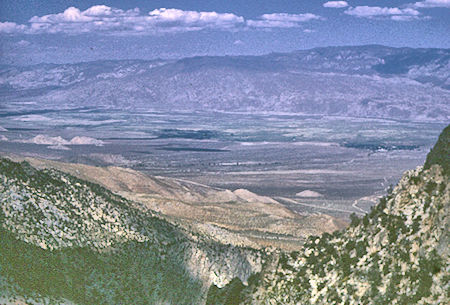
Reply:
x=65, y=239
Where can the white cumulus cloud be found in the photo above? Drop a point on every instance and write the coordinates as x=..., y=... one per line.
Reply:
x=394, y=13
x=432, y=3
x=335, y=4
x=11, y=27
x=108, y=20
x=192, y=19
x=102, y=19
x=282, y=20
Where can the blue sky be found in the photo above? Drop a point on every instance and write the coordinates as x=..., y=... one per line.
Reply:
x=60, y=31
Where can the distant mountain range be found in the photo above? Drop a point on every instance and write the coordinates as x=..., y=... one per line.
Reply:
x=364, y=81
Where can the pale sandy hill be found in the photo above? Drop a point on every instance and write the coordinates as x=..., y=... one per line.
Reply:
x=309, y=194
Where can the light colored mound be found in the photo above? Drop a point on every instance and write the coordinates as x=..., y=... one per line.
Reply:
x=47, y=140
x=86, y=141
x=59, y=141
x=3, y=129
x=246, y=195
x=3, y=138
x=309, y=194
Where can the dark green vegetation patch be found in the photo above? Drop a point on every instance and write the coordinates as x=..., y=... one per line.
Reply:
x=128, y=272
x=440, y=154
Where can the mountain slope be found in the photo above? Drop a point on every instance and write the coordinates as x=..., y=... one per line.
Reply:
x=397, y=254
x=365, y=81
x=65, y=238
x=440, y=154
x=239, y=217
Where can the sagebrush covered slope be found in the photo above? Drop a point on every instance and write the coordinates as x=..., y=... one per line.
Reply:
x=397, y=254
x=62, y=238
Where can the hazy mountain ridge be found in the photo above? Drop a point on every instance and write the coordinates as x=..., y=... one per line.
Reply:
x=367, y=81
x=52, y=76
x=94, y=244
x=397, y=254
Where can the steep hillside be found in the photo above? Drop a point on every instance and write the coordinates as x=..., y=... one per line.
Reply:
x=440, y=154
x=62, y=238
x=397, y=254
x=239, y=217
x=366, y=81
